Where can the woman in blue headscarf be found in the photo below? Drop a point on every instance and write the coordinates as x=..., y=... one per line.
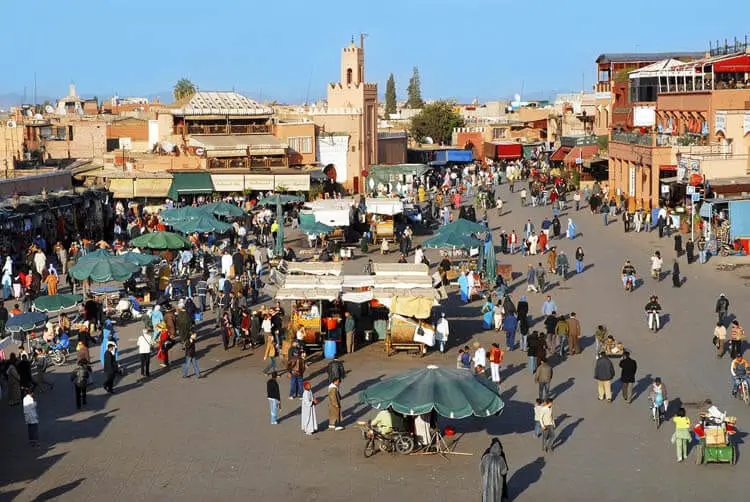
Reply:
x=487, y=314
x=571, y=229
x=463, y=285
x=109, y=335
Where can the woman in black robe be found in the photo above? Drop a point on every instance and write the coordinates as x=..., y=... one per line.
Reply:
x=494, y=468
x=676, y=281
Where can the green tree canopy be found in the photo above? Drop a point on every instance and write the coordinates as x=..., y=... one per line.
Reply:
x=414, y=91
x=437, y=121
x=184, y=88
x=390, y=96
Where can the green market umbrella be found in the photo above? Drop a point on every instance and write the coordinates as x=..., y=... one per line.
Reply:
x=56, y=303
x=103, y=268
x=160, y=240
x=222, y=208
x=279, y=200
x=183, y=213
x=315, y=228
x=463, y=226
x=94, y=255
x=451, y=392
x=26, y=322
x=452, y=239
x=140, y=259
x=205, y=223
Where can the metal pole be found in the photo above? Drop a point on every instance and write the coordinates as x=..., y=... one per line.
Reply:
x=692, y=219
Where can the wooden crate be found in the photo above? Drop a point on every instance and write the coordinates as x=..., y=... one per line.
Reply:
x=716, y=437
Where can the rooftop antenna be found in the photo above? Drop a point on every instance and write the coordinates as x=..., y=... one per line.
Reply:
x=362, y=37
x=35, y=101
x=307, y=93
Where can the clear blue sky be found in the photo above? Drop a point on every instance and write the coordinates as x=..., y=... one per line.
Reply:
x=473, y=48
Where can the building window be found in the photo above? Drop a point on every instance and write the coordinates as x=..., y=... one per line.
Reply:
x=349, y=76
x=603, y=75
x=499, y=132
x=300, y=144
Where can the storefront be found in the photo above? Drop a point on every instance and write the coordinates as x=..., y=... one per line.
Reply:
x=190, y=184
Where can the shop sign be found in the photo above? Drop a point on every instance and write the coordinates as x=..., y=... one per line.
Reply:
x=293, y=182
x=228, y=182
x=746, y=123
x=664, y=188
x=631, y=185
x=695, y=166
x=259, y=182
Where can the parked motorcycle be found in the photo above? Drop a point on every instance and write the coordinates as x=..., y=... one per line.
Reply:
x=395, y=441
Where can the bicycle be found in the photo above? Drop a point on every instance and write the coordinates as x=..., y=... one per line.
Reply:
x=656, y=412
x=743, y=392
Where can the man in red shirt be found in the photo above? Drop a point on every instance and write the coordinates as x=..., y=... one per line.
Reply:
x=496, y=357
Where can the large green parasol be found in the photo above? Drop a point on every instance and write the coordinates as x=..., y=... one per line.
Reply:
x=204, y=223
x=279, y=200
x=140, y=259
x=160, y=240
x=182, y=213
x=463, y=226
x=315, y=228
x=452, y=393
x=55, y=303
x=222, y=208
x=452, y=239
x=101, y=266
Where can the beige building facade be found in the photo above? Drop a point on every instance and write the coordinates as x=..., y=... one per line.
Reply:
x=352, y=109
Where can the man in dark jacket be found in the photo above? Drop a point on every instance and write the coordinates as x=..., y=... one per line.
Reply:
x=549, y=325
x=336, y=370
x=722, y=307
x=627, y=377
x=604, y=372
x=110, y=368
x=182, y=322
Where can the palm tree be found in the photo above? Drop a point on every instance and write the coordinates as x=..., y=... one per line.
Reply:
x=184, y=88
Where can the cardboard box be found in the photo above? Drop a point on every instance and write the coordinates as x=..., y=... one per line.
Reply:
x=715, y=437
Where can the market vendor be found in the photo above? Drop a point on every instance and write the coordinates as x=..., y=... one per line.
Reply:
x=388, y=421
x=610, y=345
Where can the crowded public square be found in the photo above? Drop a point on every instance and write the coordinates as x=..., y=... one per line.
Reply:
x=208, y=433
x=333, y=253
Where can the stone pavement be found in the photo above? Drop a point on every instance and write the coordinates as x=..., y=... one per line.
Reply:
x=210, y=439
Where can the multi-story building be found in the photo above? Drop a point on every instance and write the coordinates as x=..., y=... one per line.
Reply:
x=696, y=126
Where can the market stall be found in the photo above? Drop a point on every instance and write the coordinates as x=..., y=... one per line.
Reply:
x=381, y=214
x=410, y=310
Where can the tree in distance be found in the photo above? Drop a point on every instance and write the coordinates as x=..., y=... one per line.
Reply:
x=184, y=88
x=437, y=121
x=390, y=96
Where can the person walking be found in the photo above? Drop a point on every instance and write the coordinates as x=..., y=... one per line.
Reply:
x=579, y=260
x=309, y=418
x=531, y=350
x=543, y=377
x=737, y=336
x=681, y=434
x=722, y=307
x=628, y=367
x=190, y=359
x=270, y=354
x=31, y=417
x=547, y=423
x=720, y=338
x=349, y=330
x=274, y=397
x=522, y=313
x=335, y=417
x=574, y=334
x=145, y=343
x=531, y=280
x=296, y=367
x=80, y=378
x=496, y=358
x=110, y=368
x=604, y=372
x=510, y=323
x=494, y=469
x=690, y=251
x=442, y=332
x=336, y=370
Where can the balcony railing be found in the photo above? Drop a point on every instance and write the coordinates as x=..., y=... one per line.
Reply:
x=633, y=138
x=222, y=129
x=254, y=163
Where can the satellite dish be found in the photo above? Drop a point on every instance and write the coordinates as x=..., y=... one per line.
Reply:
x=517, y=97
x=200, y=151
x=38, y=116
x=11, y=124
x=429, y=140
x=49, y=109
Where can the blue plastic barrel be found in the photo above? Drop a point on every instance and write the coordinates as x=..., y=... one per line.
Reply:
x=329, y=349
